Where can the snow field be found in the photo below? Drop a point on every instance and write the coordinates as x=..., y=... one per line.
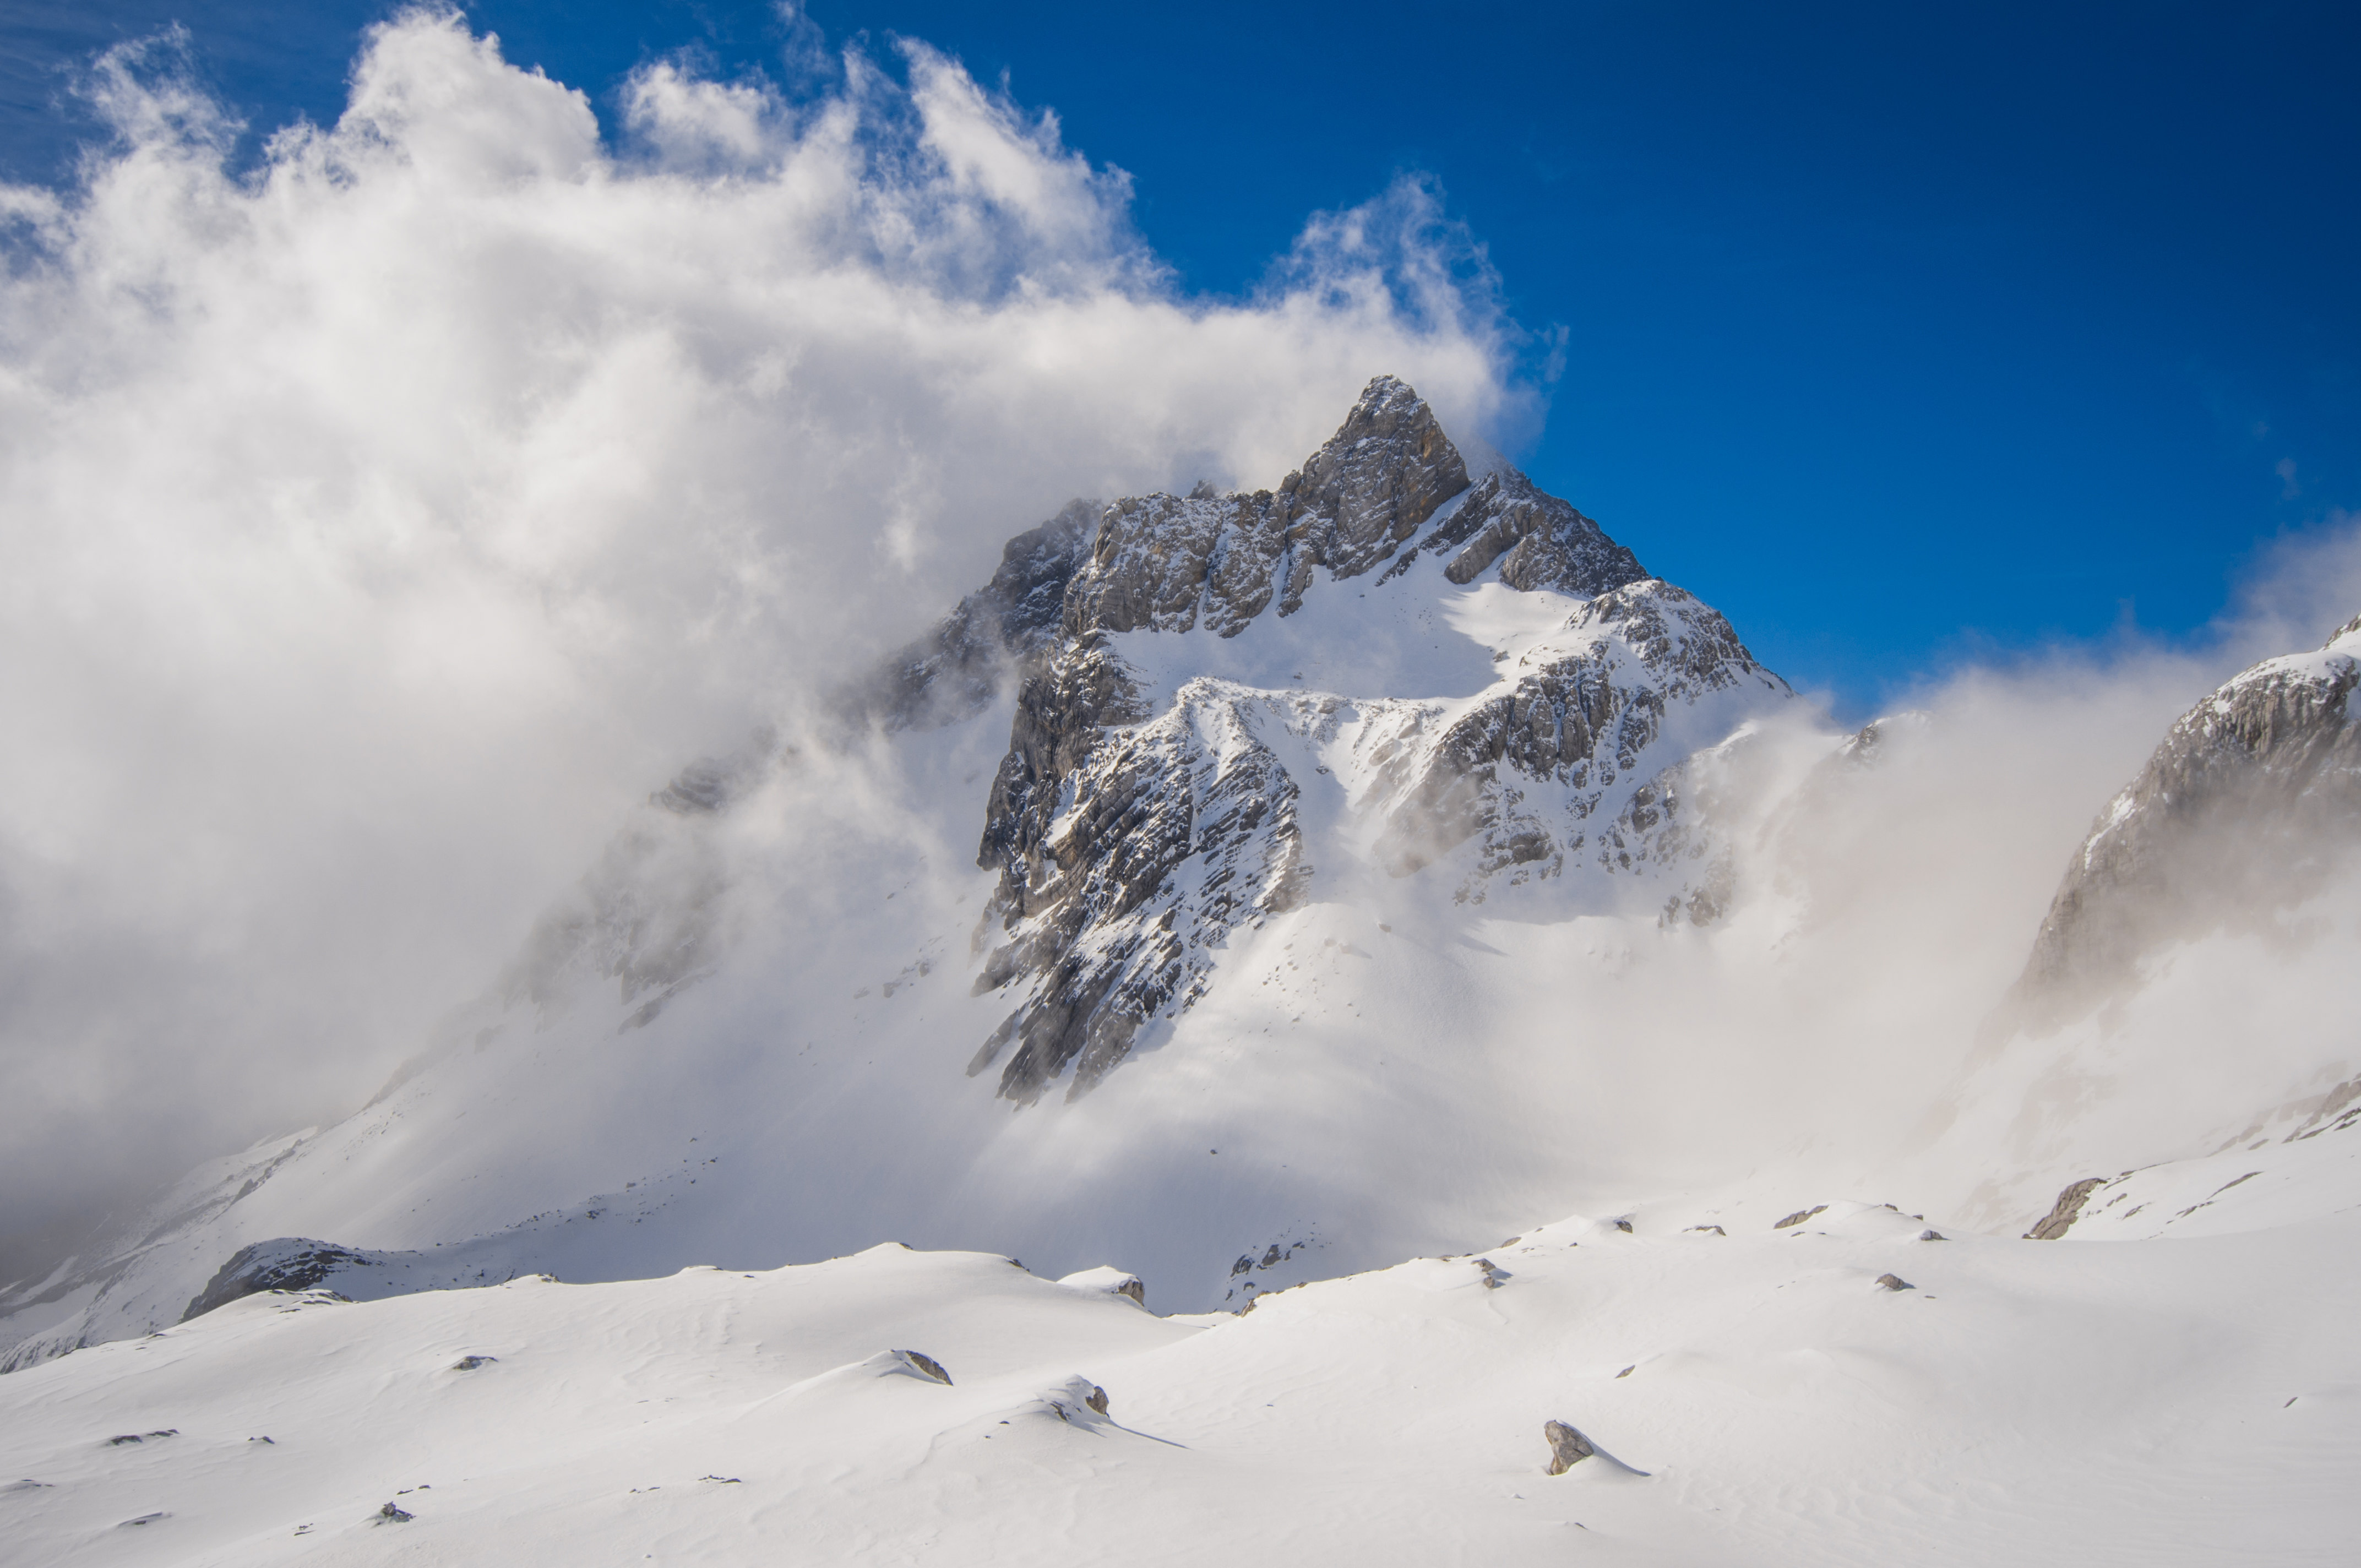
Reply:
x=2177, y=1402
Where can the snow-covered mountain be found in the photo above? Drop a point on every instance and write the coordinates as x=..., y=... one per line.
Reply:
x=1251, y=892
x=1220, y=753
x=2177, y=1044
x=2245, y=809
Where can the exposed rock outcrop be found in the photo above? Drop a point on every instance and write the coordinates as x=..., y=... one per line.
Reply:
x=1569, y=1447
x=1105, y=1281
x=1134, y=830
x=959, y=666
x=1581, y=712
x=1100, y=805
x=1176, y=564
x=286, y=1263
x=1103, y=920
x=924, y=1365
x=2066, y=1211
x=2246, y=809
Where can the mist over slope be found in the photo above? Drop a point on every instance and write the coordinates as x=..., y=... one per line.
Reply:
x=385, y=520
x=1660, y=941
x=1578, y=903
x=1244, y=903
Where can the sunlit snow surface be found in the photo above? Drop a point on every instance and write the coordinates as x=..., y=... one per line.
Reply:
x=1757, y=1398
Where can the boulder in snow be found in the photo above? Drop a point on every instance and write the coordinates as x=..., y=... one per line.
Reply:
x=925, y=1366
x=2066, y=1211
x=1569, y=1447
x=1107, y=1281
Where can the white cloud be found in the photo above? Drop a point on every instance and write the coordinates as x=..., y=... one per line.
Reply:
x=382, y=520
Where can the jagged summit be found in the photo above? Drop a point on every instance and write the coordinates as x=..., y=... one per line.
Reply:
x=1147, y=809
x=1174, y=564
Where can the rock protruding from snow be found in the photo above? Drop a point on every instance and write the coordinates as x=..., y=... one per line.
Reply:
x=925, y=1366
x=1538, y=541
x=961, y=665
x=1077, y=1400
x=1583, y=709
x=2066, y=1211
x=1567, y=1446
x=1105, y=1281
x=1136, y=822
x=2243, y=809
x=286, y=1263
x=1179, y=562
x=1101, y=925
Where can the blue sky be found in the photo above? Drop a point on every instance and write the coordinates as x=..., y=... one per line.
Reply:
x=1903, y=334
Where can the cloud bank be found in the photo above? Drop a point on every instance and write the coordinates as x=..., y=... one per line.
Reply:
x=382, y=520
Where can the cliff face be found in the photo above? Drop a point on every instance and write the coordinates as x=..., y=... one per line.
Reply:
x=1136, y=821
x=2244, y=809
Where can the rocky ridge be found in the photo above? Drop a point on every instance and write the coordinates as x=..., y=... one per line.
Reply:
x=1135, y=829
x=2243, y=809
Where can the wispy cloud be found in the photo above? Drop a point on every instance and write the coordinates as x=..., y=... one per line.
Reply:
x=380, y=522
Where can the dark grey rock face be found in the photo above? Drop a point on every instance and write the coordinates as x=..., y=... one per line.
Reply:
x=286, y=1263
x=1539, y=542
x=1174, y=564
x=1130, y=841
x=1097, y=810
x=1370, y=488
x=1180, y=563
x=1580, y=722
x=1100, y=918
x=958, y=668
x=2243, y=809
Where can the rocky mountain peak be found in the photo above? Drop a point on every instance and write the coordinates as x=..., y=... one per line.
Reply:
x=1374, y=482
x=1176, y=562
x=1136, y=823
x=2245, y=808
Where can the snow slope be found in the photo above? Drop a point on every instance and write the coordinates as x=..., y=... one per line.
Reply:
x=1755, y=1398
